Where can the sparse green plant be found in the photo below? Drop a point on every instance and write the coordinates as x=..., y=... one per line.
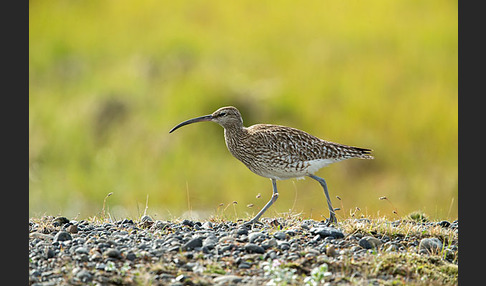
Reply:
x=278, y=273
x=418, y=216
x=318, y=275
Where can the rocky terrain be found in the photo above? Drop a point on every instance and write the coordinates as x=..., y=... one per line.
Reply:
x=283, y=251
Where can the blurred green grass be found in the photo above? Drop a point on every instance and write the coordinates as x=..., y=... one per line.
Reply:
x=107, y=81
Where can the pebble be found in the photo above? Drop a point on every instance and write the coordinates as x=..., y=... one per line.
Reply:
x=254, y=248
x=444, y=223
x=370, y=242
x=228, y=279
x=72, y=228
x=327, y=232
x=112, y=253
x=193, y=243
x=62, y=236
x=280, y=235
x=331, y=251
x=60, y=221
x=254, y=236
x=430, y=245
x=84, y=276
x=81, y=250
x=146, y=218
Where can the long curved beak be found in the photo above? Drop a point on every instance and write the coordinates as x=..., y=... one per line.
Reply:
x=194, y=120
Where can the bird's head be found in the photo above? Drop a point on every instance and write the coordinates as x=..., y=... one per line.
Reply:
x=227, y=117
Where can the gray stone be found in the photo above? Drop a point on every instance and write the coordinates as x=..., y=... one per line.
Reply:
x=244, y=265
x=112, y=253
x=146, y=218
x=268, y=243
x=160, y=224
x=60, y=221
x=327, y=232
x=370, y=242
x=254, y=236
x=254, y=248
x=280, y=235
x=430, y=245
x=228, y=279
x=242, y=231
x=81, y=250
x=193, y=243
x=62, y=236
x=210, y=242
x=84, y=276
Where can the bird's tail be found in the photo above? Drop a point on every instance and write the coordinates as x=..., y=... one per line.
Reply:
x=362, y=153
x=347, y=152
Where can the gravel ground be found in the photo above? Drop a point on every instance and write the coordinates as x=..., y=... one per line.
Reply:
x=283, y=251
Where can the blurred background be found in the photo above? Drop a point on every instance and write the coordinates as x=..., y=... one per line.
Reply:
x=109, y=79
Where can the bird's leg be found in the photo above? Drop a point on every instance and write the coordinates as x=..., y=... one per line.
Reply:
x=332, y=217
x=272, y=200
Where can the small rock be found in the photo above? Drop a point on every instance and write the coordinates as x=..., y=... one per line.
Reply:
x=290, y=232
x=391, y=247
x=84, y=276
x=254, y=248
x=254, y=236
x=207, y=225
x=181, y=278
x=244, y=265
x=112, y=253
x=210, y=242
x=62, y=236
x=100, y=266
x=444, y=223
x=35, y=273
x=430, y=245
x=160, y=224
x=242, y=231
x=280, y=235
x=327, y=232
x=50, y=253
x=72, y=228
x=146, y=221
x=188, y=223
x=268, y=243
x=228, y=279
x=283, y=245
x=126, y=221
x=60, y=221
x=81, y=250
x=131, y=256
x=331, y=251
x=370, y=242
x=193, y=243
x=146, y=218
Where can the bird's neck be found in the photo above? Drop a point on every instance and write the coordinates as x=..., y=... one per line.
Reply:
x=235, y=141
x=234, y=131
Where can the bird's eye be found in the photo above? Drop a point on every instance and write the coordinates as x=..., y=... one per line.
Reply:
x=222, y=113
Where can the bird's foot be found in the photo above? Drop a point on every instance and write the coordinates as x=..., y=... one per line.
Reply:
x=251, y=223
x=331, y=220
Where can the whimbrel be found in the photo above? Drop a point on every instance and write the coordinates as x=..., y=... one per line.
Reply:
x=279, y=152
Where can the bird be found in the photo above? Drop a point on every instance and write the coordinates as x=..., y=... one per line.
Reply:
x=279, y=152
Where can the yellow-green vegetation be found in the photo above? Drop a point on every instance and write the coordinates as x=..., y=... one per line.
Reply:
x=108, y=79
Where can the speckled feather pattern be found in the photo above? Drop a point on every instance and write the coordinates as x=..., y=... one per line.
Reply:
x=281, y=152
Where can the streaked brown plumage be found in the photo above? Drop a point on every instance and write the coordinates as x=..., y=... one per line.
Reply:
x=279, y=152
